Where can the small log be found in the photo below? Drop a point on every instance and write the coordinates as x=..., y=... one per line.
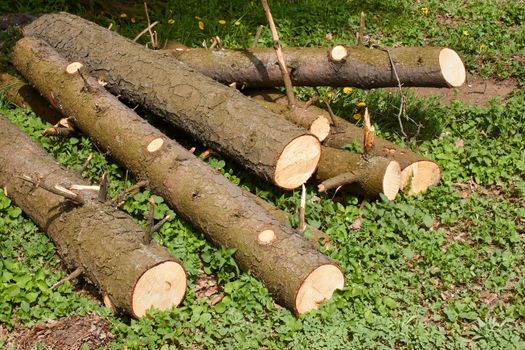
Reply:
x=368, y=177
x=417, y=172
x=226, y=214
x=218, y=116
x=356, y=66
x=101, y=242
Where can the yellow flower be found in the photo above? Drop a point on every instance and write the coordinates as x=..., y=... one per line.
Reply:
x=123, y=15
x=329, y=95
x=347, y=90
x=133, y=20
x=466, y=33
x=357, y=116
x=222, y=22
x=171, y=21
x=424, y=10
x=237, y=23
x=198, y=18
x=482, y=48
x=361, y=104
x=201, y=25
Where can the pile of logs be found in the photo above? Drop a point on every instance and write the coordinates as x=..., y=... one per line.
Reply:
x=77, y=66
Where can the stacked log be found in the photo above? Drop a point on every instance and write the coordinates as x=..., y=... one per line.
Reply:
x=218, y=116
x=226, y=214
x=92, y=237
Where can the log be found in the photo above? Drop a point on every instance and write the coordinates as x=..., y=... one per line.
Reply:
x=368, y=177
x=102, y=242
x=19, y=93
x=355, y=66
x=225, y=213
x=218, y=116
x=417, y=172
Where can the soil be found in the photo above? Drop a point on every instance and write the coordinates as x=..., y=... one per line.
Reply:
x=475, y=92
x=69, y=333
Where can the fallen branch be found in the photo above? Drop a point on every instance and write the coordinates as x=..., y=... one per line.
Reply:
x=56, y=189
x=69, y=277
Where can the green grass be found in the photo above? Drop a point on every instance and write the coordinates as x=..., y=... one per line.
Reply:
x=440, y=270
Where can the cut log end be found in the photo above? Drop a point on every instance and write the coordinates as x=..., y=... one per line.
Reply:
x=318, y=287
x=419, y=176
x=266, y=237
x=297, y=162
x=155, y=145
x=452, y=67
x=320, y=128
x=161, y=287
x=338, y=53
x=392, y=180
x=74, y=67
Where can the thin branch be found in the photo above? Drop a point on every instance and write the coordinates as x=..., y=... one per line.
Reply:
x=280, y=57
x=152, y=36
x=368, y=134
x=149, y=227
x=361, y=32
x=58, y=190
x=311, y=101
x=402, y=101
x=302, y=208
x=159, y=224
x=148, y=29
x=86, y=163
x=58, y=131
x=257, y=36
x=69, y=277
x=132, y=189
x=338, y=181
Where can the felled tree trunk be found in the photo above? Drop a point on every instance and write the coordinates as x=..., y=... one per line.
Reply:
x=417, y=172
x=218, y=116
x=355, y=66
x=225, y=213
x=19, y=93
x=105, y=244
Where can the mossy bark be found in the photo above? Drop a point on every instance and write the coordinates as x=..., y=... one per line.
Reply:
x=225, y=213
x=218, y=116
x=103, y=242
x=363, y=67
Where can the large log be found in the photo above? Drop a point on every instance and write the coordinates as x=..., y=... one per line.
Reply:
x=417, y=172
x=105, y=244
x=355, y=66
x=295, y=272
x=218, y=116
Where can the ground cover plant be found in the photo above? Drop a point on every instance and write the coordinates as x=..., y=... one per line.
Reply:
x=444, y=269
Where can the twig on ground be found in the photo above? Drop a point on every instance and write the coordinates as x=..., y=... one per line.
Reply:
x=132, y=189
x=302, y=207
x=257, y=36
x=69, y=277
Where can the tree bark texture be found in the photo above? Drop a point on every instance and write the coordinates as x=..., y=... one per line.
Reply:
x=363, y=67
x=417, y=172
x=100, y=240
x=226, y=214
x=218, y=116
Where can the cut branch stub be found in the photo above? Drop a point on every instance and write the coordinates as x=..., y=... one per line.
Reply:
x=338, y=53
x=74, y=67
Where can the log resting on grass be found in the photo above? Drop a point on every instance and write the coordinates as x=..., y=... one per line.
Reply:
x=417, y=172
x=298, y=275
x=362, y=67
x=104, y=243
x=218, y=116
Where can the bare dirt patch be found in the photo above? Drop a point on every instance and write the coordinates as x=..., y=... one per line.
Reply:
x=475, y=92
x=69, y=333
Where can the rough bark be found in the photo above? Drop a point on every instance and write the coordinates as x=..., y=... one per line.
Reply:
x=218, y=116
x=225, y=213
x=362, y=67
x=19, y=93
x=103, y=242
x=368, y=177
x=417, y=172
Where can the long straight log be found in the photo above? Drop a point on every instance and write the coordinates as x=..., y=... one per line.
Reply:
x=298, y=275
x=218, y=116
x=105, y=244
x=355, y=66
x=417, y=172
